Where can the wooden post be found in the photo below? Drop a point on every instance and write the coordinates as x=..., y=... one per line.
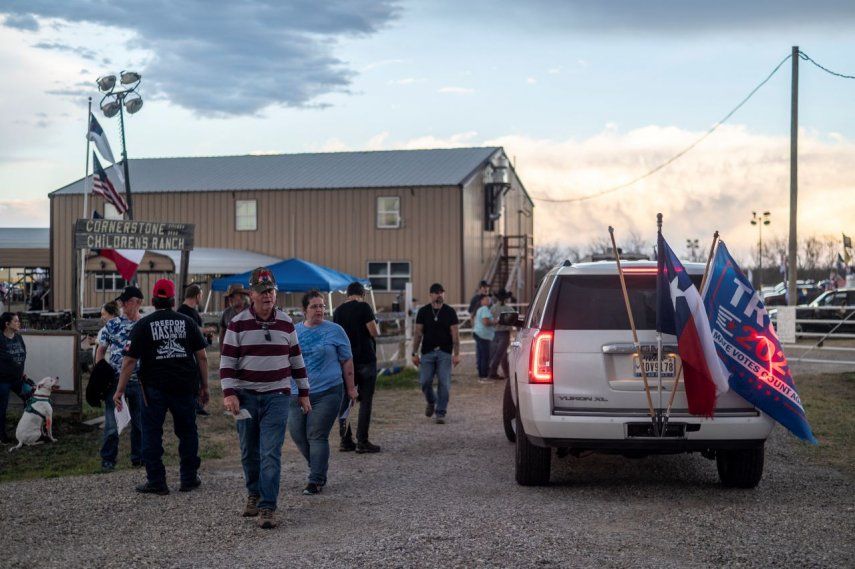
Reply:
x=634, y=332
x=185, y=266
x=792, y=262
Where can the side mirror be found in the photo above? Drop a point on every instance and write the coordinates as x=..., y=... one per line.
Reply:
x=514, y=319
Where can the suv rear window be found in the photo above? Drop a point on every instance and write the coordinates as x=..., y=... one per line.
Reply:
x=595, y=302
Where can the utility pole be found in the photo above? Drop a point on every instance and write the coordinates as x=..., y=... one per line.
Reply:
x=794, y=181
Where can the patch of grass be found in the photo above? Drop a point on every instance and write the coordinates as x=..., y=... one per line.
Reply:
x=408, y=378
x=829, y=401
x=78, y=446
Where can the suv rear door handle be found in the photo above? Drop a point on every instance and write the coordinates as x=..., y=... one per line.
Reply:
x=629, y=348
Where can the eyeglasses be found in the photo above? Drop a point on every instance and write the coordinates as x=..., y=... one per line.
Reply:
x=317, y=306
x=266, y=328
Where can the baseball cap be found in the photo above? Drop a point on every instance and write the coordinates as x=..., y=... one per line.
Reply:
x=436, y=287
x=163, y=288
x=129, y=293
x=262, y=279
x=236, y=289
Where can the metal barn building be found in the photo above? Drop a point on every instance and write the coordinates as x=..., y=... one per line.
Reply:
x=454, y=216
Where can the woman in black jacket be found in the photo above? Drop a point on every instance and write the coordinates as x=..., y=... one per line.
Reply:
x=13, y=354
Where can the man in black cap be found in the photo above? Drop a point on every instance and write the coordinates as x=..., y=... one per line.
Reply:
x=112, y=341
x=357, y=319
x=437, y=323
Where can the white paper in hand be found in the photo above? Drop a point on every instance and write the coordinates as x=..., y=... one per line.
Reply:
x=242, y=414
x=123, y=417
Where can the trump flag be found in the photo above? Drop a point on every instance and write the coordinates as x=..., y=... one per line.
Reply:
x=680, y=312
x=748, y=346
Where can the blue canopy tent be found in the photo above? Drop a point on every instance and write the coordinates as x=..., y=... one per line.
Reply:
x=297, y=275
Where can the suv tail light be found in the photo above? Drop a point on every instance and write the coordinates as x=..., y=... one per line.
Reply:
x=540, y=362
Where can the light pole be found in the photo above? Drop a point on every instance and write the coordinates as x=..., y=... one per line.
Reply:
x=112, y=103
x=760, y=220
x=692, y=247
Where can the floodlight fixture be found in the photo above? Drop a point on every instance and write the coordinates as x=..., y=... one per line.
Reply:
x=129, y=77
x=133, y=103
x=111, y=108
x=106, y=83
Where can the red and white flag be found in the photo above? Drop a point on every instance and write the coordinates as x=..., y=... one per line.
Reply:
x=102, y=186
x=126, y=260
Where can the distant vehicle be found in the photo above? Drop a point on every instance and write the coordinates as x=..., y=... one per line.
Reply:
x=832, y=305
x=807, y=291
x=576, y=380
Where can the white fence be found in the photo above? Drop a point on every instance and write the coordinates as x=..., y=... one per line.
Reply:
x=834, y=323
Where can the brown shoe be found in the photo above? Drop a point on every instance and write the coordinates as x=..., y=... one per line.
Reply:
x=251, y=508
x=266, y=519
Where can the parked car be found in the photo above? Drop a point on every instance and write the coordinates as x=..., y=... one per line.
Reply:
x=576, y=382
x=806, y=290
x=831, y=306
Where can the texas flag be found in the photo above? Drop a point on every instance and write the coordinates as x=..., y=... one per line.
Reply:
x=126, y=260
x=680, y=311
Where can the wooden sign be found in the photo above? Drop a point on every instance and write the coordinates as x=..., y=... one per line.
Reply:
x=132, y=234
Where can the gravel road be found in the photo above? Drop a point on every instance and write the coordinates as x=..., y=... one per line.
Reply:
x=444, y=495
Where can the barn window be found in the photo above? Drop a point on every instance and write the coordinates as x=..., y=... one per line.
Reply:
x=388, y=275
x=246, y=215
x=109, y=282
x=388, y=212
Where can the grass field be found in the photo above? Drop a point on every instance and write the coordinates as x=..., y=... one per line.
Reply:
x=829, y=401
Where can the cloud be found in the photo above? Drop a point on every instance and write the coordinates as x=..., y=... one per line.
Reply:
x=674, y=18
x=714, y=187
x=81, y=51
x=225, y=57
x=25, y=213
x=530, y=80
x=455, y=90
x=25, y=22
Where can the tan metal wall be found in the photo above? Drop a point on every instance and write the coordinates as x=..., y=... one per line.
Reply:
x=24, y=258
x=336, y=228
x=479, y=245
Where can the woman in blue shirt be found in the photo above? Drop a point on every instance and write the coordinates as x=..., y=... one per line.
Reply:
x=329, y=362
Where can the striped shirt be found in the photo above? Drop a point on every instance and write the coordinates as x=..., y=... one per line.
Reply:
x=262, y=355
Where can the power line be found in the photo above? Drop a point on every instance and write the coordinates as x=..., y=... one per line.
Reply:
x=676, y=156
x=806, y=57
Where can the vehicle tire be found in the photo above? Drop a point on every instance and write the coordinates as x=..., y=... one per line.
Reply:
x=532, y=462
x=509, y=413
x=741, y=468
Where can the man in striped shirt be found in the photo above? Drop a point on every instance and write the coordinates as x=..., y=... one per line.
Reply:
x=260, y=355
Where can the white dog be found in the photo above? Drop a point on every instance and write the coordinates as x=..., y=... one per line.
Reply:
x=38, y=413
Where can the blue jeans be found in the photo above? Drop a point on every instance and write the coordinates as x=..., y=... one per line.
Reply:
x=183, y=410
x=436, y=363
x=311, y=433
x=482, y=355
x=5, y=389
x=110, y=446
x=261, y=439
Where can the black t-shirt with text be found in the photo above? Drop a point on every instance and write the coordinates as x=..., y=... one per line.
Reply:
x=436, y=327
x=353, y=317
x=165, y=343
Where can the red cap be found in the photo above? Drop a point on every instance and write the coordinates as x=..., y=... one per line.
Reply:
x=163, y=288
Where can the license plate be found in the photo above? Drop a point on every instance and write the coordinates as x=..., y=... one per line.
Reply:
x=651, y=366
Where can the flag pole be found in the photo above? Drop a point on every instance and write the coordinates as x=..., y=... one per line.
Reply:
x=634, y=332
x=680, y=369
x=659, y=337
x=85, y=209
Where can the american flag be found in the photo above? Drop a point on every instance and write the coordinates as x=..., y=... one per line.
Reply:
x=102, y=186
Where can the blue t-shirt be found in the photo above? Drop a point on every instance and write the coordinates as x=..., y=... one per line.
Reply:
x=324, y=347
x=485, y=332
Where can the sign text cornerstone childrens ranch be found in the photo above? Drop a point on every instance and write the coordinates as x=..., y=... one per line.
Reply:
x=130, y=234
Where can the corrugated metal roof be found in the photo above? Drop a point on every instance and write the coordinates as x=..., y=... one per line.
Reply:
x=24, y=238
x=380, y=169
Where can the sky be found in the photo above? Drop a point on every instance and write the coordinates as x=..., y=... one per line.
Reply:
x=583, y=96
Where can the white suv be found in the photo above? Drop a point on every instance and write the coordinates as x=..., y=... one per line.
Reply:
x=576, y=380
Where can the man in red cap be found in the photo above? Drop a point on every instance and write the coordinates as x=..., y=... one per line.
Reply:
x=165, y=343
